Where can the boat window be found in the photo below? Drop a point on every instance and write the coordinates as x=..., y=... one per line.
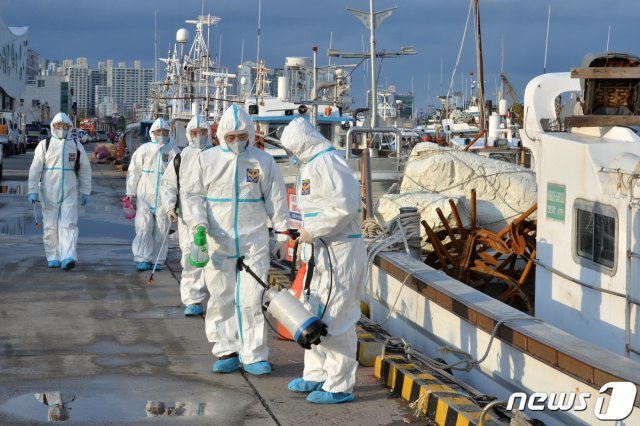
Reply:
x=326, y=130
x=596, y=235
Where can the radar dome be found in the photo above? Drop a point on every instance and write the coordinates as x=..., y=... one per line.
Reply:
x=182, y=36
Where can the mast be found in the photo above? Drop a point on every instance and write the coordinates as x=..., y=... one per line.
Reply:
x=372, y=47
x=546, y=41
x=259, y=14
x=480, y=67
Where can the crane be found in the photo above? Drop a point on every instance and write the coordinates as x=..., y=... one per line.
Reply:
x=516, y=106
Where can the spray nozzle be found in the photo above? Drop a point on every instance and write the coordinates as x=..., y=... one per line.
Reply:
x=292, y=233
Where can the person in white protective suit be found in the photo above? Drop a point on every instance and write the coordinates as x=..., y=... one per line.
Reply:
x=328, y=196
x=147, y=165
x=174, y=182
x=60, y=173
x=242, y=187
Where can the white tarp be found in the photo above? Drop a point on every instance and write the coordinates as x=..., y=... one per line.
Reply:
x=503, y=190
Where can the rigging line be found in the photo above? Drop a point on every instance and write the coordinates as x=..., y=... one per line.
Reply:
x=464, y=36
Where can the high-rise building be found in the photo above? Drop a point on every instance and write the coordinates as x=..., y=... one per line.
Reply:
x=124, y=86
x=79, y=84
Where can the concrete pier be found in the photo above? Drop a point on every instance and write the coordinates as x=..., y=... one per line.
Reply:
x=121, y=349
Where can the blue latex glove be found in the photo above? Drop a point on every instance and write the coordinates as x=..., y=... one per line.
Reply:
x=33, y=198
x=84, y=200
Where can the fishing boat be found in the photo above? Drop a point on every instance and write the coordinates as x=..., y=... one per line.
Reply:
x=575, y=358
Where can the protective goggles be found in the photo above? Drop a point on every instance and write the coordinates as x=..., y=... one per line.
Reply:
x=161, y=132
x=61, y=125
x=239, y=137
x=196, y=132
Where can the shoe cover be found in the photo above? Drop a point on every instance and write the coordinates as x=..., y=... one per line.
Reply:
x=158, y=267
x=301, y=385
x=143, y=266
x=68, y=264
x=321, y=397
x=193, y=310
x=258, y=368
x=227, y=365
x=53, y=264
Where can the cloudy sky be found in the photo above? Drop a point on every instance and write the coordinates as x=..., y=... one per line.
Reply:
x=123, y=30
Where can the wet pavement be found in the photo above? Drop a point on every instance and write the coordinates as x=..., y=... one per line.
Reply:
x=102, y=347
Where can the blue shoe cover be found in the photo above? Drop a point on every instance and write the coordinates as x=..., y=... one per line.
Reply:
x=68, y=264
x=301, y=385
x=158, y=267
x=143, y=266
x=193, y=310
x=321, y=397
x=257, y=368
x=54, y=264
x=227, y=365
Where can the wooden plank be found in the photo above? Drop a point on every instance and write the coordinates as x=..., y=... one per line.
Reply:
x=602, y=120
x=606, y=72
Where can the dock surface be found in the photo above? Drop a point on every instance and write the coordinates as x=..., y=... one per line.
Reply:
x=100, y=335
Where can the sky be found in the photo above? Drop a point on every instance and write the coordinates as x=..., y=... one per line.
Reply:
x=123, y=30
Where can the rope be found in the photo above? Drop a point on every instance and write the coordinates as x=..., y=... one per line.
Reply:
x=469, y=362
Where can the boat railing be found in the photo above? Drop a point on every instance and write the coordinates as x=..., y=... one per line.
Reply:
x=383, y=130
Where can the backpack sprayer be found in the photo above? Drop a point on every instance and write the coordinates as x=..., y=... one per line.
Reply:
x=306, y=328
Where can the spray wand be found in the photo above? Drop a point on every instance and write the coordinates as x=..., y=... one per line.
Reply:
x=35, y=216
x=155, y=264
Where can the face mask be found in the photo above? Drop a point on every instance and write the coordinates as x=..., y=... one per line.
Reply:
x=60, y=133
x=236, y=146
x=200, y=141
x=161, y=139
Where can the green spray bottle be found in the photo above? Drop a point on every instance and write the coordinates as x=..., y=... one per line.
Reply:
x=199, y=255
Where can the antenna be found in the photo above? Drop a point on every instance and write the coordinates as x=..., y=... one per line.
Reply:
x=546, y=42
x=608, y=37
x=155, y=46
x=330, y=43
x=259, y=15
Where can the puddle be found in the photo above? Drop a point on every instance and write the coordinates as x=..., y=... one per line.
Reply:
x=130, y=361
x=104, y=407
x=155, y=313
x=113, y=347
x=14, y=188
x=25, y=225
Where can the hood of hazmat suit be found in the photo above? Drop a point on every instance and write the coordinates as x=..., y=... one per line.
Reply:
x=235, y=119
x=163, y=124
x=200, y=141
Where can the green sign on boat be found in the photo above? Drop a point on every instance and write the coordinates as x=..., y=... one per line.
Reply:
x=556, y=196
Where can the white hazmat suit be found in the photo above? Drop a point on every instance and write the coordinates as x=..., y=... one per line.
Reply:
x=328, y=196
x=242, y=188
x=192, y=280
x=146, y=168
x=52, y=175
